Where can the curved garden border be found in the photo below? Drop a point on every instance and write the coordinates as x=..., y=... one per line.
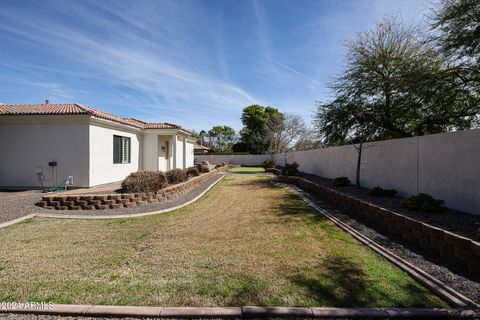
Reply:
x=125, y=200
x=103, y=217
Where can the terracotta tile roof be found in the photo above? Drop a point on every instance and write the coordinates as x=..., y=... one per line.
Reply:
x=74, y=108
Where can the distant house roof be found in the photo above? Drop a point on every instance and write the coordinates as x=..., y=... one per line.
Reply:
x=197, y=146
x=74, y=108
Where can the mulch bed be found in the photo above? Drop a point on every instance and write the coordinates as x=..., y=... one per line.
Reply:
x=461, y=223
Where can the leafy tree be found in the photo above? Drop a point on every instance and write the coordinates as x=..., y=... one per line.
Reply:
x=457, y=33
x=255, y=133
x=221, y=138
x=459, y=24
x=240, y=147
x=394, y=85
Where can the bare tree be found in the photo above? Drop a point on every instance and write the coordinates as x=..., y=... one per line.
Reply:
x=285, y=129
x=308, y=139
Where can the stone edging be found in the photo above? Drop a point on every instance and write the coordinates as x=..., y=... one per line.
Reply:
x=456, y=249
x=126, y=200
x=103, y=217
x=244, y=312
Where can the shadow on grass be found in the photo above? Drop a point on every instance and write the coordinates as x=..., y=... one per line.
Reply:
x=290, y=205
x=341, y=282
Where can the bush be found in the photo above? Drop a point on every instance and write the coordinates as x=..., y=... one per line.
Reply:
x=269, y=164
x=176, y=176
x=144, y=181
x=219, y=165
x=192, y=172
x=424, y=202
x=203, y=168
x=290, y=169
x=341, y=182
x=380, y=192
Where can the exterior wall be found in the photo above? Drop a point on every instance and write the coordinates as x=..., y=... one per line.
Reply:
x=189, y=156
x=150, y=152
x=241, y=159
x=179, y=152
x=102, y=168
x=444, y=165
x=29, y=143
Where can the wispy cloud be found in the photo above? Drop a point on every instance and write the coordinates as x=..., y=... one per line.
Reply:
x=133, y=60
x=194, y=62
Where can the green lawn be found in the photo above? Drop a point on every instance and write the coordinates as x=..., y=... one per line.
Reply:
x=245, y=243
x=247, y=170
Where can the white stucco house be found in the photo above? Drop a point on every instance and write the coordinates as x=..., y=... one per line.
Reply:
x=45, y=144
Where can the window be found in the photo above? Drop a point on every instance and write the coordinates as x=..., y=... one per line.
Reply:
x=121, y=149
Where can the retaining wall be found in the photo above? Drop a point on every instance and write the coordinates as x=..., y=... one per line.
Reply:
x=456, y=249
x=125, y=200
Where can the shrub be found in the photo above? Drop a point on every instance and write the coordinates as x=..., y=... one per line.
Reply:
x=144, y=181
x=424, y=202
x=176, y=176
x=269, y=164
x=290, y=169
x=203, y=168
x=341, y=182
x=192, y=172
x=380, y=192
x=219, y=165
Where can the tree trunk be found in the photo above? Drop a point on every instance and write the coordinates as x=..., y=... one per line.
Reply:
x=359, y=164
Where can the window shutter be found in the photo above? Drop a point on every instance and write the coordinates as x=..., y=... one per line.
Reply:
x=117, y=147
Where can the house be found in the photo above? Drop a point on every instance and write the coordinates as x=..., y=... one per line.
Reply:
x=199, y=149
x=45, y=144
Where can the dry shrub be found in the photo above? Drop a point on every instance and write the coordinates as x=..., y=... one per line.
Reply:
x=203, y=168
x=192, y=172
x=144, y=181
x=175, y=176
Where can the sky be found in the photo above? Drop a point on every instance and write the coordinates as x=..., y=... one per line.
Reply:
x=197, y=63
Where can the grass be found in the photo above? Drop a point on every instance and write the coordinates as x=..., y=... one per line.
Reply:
x=245, y=242
x=247, y=170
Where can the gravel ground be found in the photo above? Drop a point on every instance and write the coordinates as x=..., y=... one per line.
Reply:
x=462, y=223
x=466, y=283
x=18, y=204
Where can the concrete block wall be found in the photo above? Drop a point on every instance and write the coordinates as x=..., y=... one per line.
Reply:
x=445, y=165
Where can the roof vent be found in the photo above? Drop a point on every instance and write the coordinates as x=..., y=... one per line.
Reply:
x=46, y=102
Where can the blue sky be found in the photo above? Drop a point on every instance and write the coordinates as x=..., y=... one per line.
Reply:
x=192, y=62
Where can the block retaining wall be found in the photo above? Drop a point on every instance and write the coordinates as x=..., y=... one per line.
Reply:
x=456, y=249
x=125, y=200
